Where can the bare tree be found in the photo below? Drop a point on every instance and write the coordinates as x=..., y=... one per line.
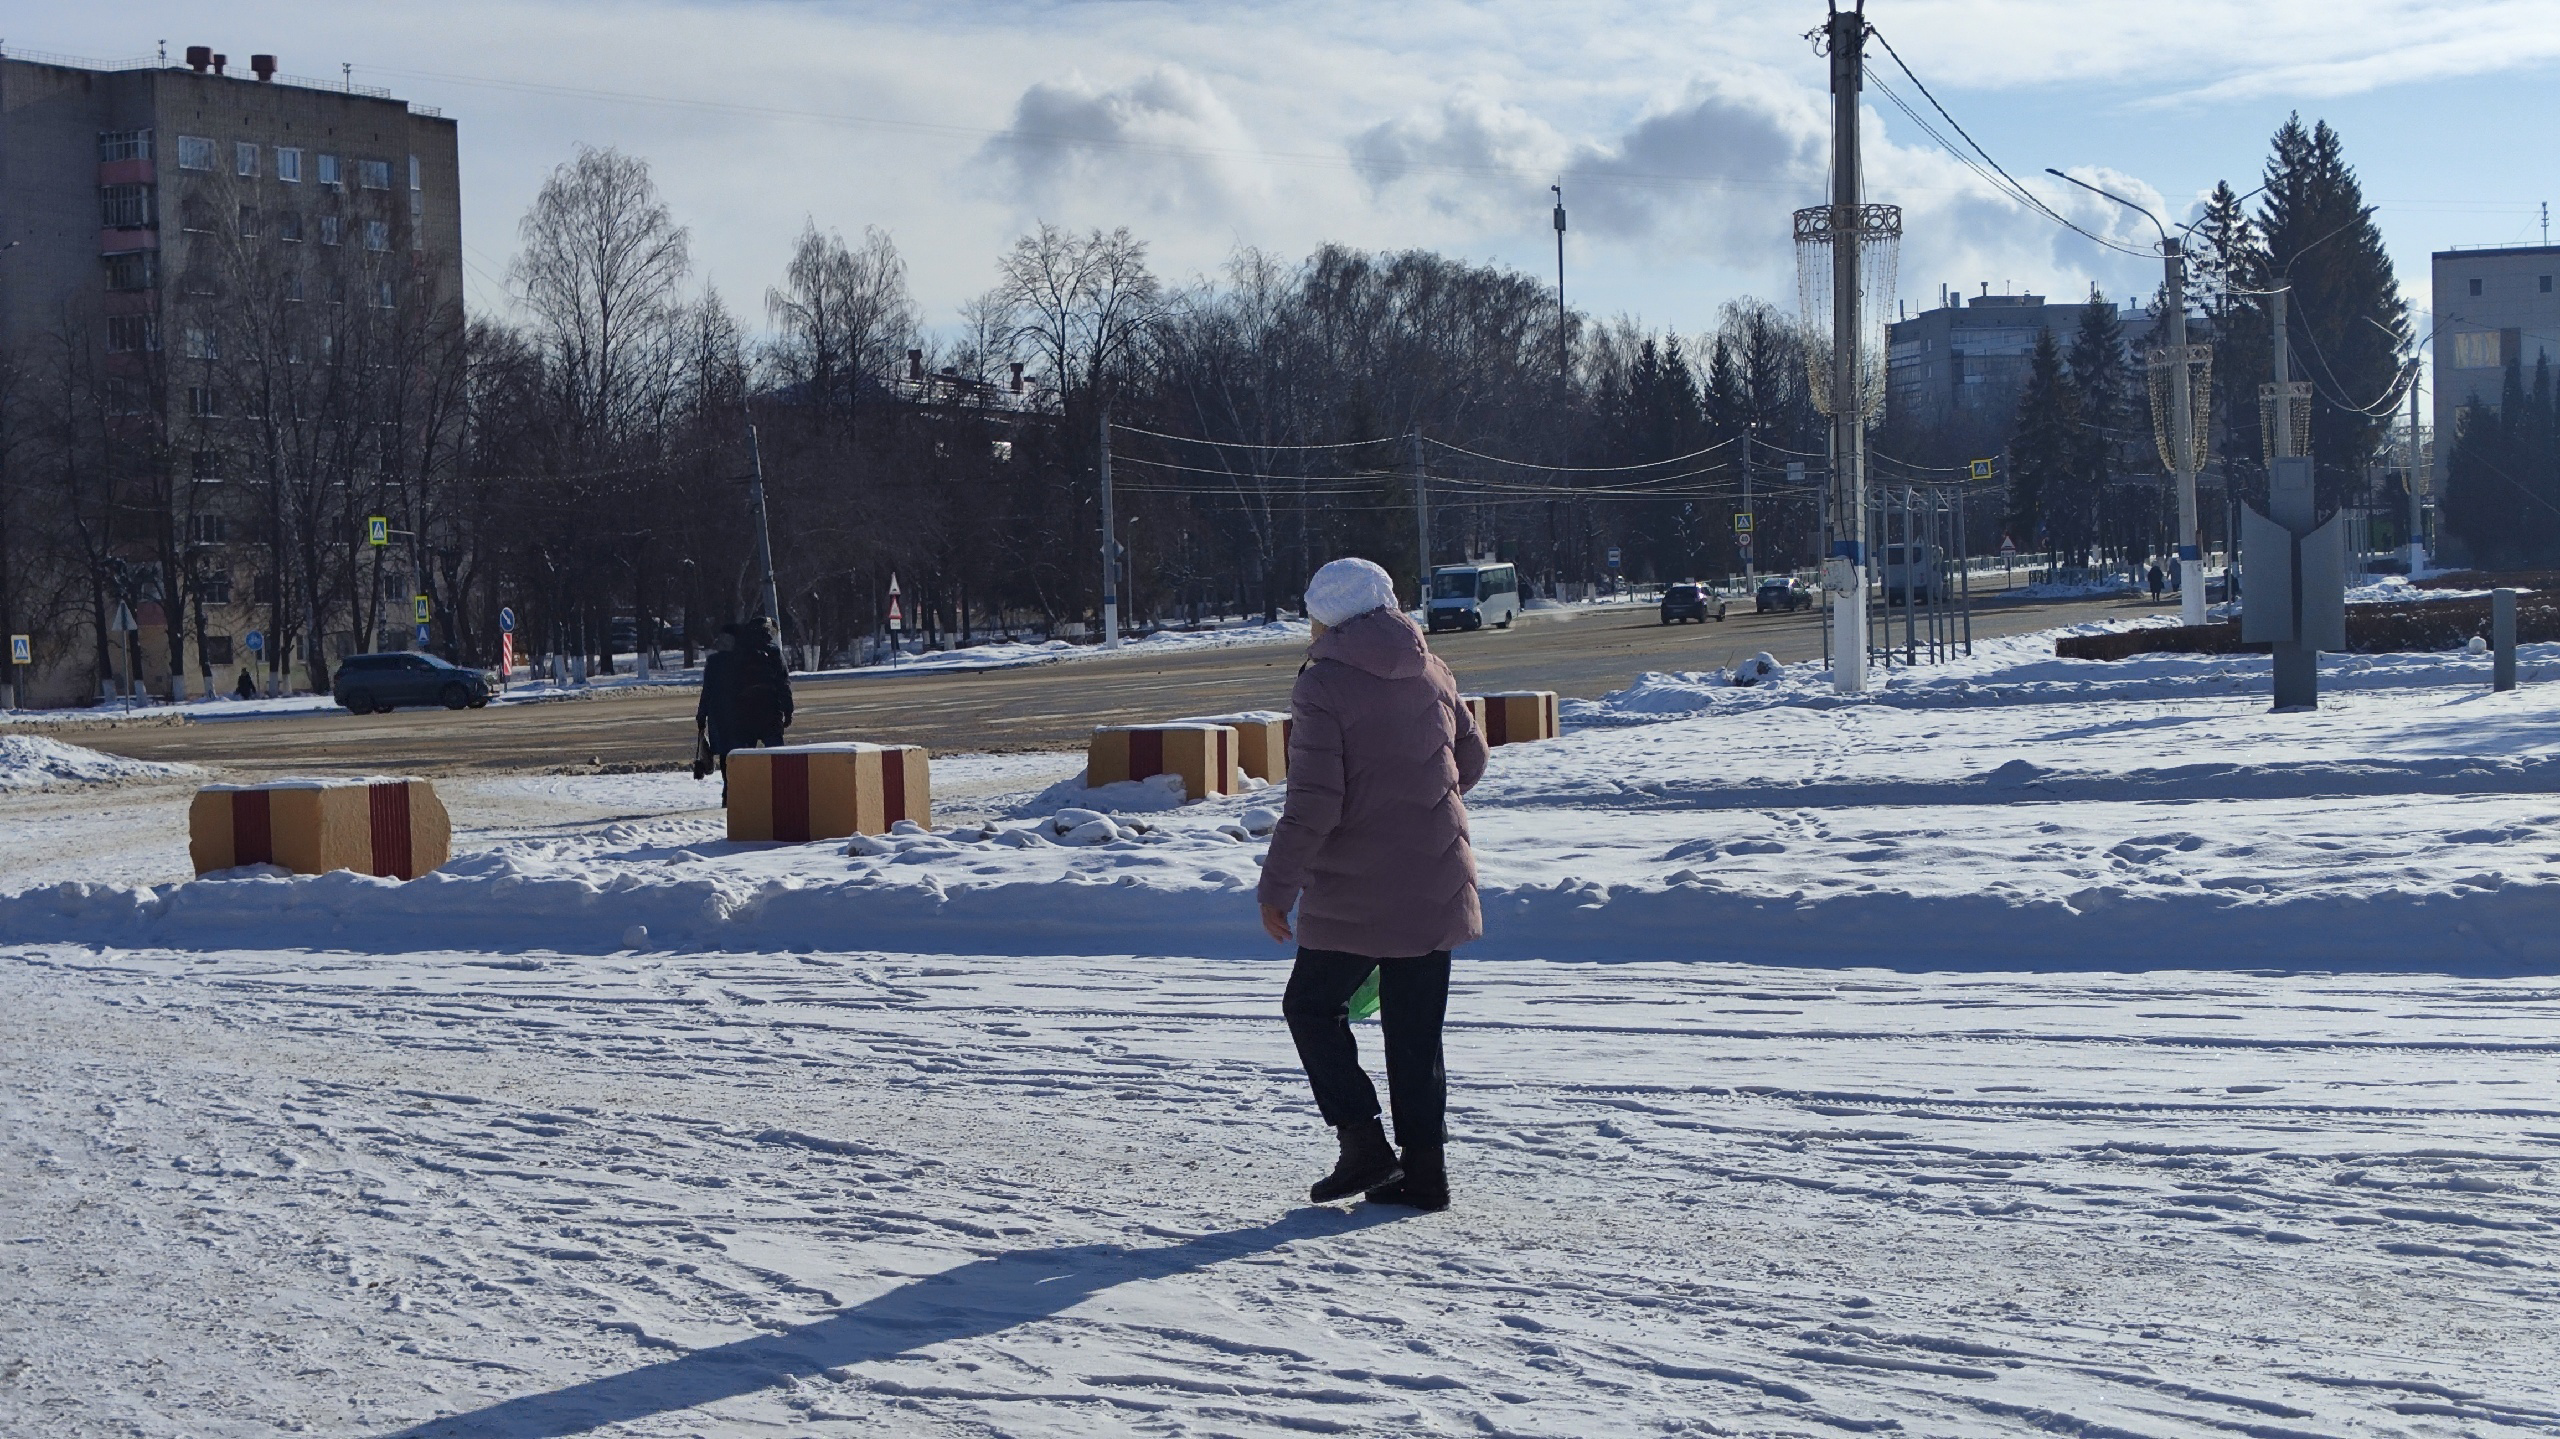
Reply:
x=601, y=267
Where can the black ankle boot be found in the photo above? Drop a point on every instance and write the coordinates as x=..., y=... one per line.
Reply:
x=1424, y=1185
x=1367, y=1161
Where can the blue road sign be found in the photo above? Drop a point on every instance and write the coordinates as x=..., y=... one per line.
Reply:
x=257, y=641
x=422, y=636
x=506, y=619
x=21, y=650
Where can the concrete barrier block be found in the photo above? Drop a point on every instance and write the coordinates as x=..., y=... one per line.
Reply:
x=1202, y=755
x=1262, y=742
x=800, y=792
x=1475, y=708
x=396, y=828
x=1518, y=716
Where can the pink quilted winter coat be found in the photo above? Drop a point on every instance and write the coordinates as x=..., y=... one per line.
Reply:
x=1372, y=847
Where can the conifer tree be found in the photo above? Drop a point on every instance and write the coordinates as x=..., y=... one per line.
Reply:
x=2096, y=511
x=2043, y=452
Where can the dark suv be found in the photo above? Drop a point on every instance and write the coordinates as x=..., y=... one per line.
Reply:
x=1781, y=592
x=369, y=684
x=1690, y=600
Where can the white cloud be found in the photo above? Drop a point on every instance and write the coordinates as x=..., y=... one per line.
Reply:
x=1165, y=141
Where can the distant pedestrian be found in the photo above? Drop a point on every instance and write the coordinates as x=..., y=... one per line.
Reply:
x=1372, y=853
x=247, y=689
x=2159, y=582
x=746, y=694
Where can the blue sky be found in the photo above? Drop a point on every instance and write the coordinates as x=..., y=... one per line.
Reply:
x=1684, y=132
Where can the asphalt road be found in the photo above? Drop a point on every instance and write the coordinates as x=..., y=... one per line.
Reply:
x=1577, y=653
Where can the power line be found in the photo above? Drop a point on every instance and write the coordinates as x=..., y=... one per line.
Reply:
x=2015, y=190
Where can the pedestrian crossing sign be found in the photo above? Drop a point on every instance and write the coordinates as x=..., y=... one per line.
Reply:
x=377, y=531
x=425, y=608
x=1982, y=469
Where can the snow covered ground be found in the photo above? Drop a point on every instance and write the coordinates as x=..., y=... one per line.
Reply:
x=2034, y=1047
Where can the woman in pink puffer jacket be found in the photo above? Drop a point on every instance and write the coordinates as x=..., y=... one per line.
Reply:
x=1372, y=853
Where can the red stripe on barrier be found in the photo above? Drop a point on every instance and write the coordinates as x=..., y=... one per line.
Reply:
x=1497, y=721
x=1146, y=753
x=251, y=841
x=1224, y=782
x=893, y=785
x=390, y=816
x=790, y=796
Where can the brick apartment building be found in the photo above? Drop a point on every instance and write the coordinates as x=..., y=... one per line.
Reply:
x=222, y=292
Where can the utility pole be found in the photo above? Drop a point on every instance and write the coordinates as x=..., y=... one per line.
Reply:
x=1110, y=538
x=1564, y=395
x=1848, y=405
x=2182, y=434
x=2416, y=470
x=764, y=534
x=1750, y=537
x=1421, y=523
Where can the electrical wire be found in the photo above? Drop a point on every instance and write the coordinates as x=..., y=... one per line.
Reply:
x=2015, y=190
x=1579, y=469
x=1245, y=445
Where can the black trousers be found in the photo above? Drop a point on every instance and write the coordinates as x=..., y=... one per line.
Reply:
x=1413, y=997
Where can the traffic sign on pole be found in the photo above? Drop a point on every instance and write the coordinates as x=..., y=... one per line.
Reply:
x=377, y=531
x=22, y=650
x=422, y=636
x=257, y=641
x=1613, y=557
x=897, y=615
x=426, y=611
x=506, y=619
x=1742, y=522
x=1981, y=469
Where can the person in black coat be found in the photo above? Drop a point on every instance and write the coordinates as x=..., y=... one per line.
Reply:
x=746, y=694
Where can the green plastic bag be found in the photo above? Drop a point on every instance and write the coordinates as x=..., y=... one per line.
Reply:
x=1364, y=1000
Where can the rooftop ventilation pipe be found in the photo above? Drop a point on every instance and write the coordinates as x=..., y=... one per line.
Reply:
x=219, y=61
x=199, y=58
x=1017, y=377
x=915, y=364
x=264, y=65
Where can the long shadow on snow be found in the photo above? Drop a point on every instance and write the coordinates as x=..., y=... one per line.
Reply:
x=983, y=1297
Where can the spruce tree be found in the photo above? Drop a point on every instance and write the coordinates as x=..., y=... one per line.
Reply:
x=2347, y=324
x=2043, y=453
x=2097, y=511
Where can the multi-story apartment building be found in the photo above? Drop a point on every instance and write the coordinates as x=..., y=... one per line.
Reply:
x=1968, y=358
x=2494, y=307
x=227, y=300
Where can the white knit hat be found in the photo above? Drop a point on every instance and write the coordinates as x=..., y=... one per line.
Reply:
x=1347, y=589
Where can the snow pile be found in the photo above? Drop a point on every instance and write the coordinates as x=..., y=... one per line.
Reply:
x=35, y=762
x=2005, y=811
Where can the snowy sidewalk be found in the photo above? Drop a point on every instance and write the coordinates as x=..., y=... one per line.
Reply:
x=852, y=1193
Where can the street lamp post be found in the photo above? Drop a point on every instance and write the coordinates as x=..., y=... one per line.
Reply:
x=2181, y=420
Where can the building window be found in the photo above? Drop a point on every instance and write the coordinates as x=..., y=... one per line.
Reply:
x=203, y=345
x=132, y=334
x=377, y=234
x=328, y=229
x=293, y=287
x=124, y=207
x=289, y=165
x=244, y=159
x=413, y=173
x=289, y=226
x=195, y=152
x=249, y=222
x=217, y=648
x=329, y=171
x=203, y=403
x=2476, y=350
x=382, y=298
x=125, y=396
x=114, y=145
x=133, y=270
x=205, y=465
x=2475, y=289
x=2546, y=284
x=207, y=529
x=375, y=174
x=417, y=206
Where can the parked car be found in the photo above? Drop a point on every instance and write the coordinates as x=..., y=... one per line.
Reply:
x=1781, y=592
x=1690, y=600
x=370, y=684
